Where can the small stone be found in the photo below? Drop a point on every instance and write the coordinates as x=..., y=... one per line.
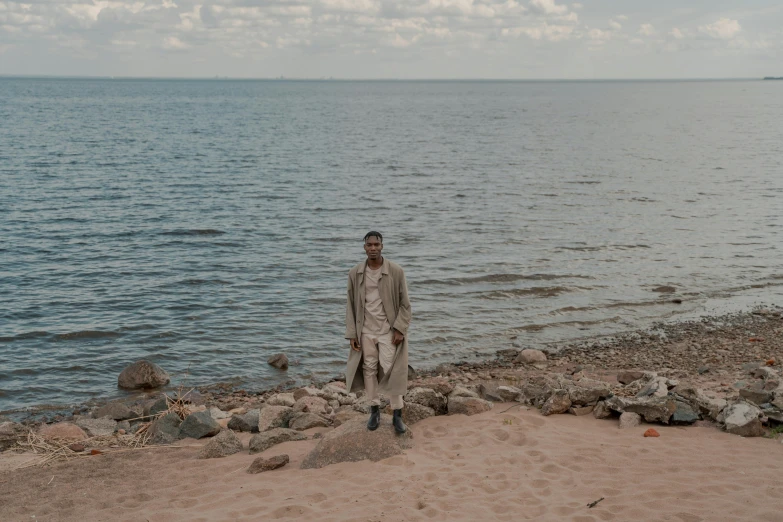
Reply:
x=301, y=421
x=115, y=410
x=223, y=444
x=652, y=432
x=261, y=464
x=77, y=447
x=217, y=414
x=509, y=393
x=684, y=414
x=158, y=406
x=311, y=404
x=96, y=452
x=246, y=423
x=273, y=417
x=121, y=431
x=264, y=441
x=142, y=374
x=771, y=362
x=282, y=399
x=703, y=369
x=530, y=356
x=165, y=429
x=743, y=419
x=97, y=427
x=580, y=410
x=461, y=391
x=307, y=391
x=630, y=420
x=279, y=361
x=198, y=425
x=628, y=377
x=601, y=411
x=558, y=402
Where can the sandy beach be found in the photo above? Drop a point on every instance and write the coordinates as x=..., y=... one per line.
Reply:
x=510, y=463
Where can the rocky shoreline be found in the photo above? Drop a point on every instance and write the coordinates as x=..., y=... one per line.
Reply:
x=722, y=371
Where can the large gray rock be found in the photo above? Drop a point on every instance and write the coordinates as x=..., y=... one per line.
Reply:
x=708, y=406
x=558, y=402
x=412, y=413
x=142, y=374
x=756, y=394
x=535, y=393
x=657, y=387
x=279, y=361
x=10, y=432
x=630, y=420
x=273, y=417
x=588, y=392
x=489, y=391
x=352, y=442
x=307, y=391
x=652, y=409
x=309, y=404
x=246, y=423
x=97, y=427
x=684, y=414
x=509, y=393
x=301, y=421
x=530, y=356
x=467, y=405
x=198, y=425
x=429, y=398
x=159, y=406
x=115, y=410
x=743, y=419
x=601, y=411
x=165, y=429
x=264, y=441
x=223, y=444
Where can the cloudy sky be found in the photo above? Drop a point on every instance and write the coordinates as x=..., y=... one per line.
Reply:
x=393, y=38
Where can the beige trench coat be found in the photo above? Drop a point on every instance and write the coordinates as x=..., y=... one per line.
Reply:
x=394, y=296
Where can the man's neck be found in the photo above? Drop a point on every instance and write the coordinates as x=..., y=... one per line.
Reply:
x=374, y=265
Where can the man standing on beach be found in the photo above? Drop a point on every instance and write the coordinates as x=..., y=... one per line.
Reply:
x=376, y=324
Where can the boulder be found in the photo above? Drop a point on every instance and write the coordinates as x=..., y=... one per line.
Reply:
x=263, y=441
x=311, y=404
x=10, y=432
x=97, y=427
x=657, y=387
x=307, y=391
x=217, y=414
x=630, y=420
x=165, y=429
x=588, y=392
x=467, y=405
x=708, y=406
x=412, y=413
x=489, y=392
x=461, y=391
x=246, y=423
x=558, y=402
x=530, y=356
x=756, y=394
x=535, y=393
x=282, y=399
x=601, y=411
x=279, y=361
x=198, y=425
x=115, y=410
x=652, y=409
x=63, y=431
x=223, y=444
x=142, y=374
x=352, y=442
x=509, y=393
x=344, y=416
x=628, y=377
x=684, y=414
x=301, y=421
x=439, y=384
x=429, y=398
x=262, y=464
x=580, y=410
x=273, y=417
x=742, y=418
x=158, y=406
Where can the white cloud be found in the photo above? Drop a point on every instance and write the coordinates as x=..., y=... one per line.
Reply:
x=647, y=30
x=676, y=34
x=615, y=25
x=723, y=29
x=174, y=44
x=548, y=7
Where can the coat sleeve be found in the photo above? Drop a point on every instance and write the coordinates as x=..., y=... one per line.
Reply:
x=403, y=320
x=350, y=317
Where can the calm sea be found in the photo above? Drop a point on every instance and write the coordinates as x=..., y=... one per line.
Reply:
x=205, y=225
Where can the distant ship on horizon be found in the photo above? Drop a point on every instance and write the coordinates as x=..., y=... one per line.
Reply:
x=773, y=77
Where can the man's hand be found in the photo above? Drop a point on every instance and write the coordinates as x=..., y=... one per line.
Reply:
x=397, y=338
x=355, y=346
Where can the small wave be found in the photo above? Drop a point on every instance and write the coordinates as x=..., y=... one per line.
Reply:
x=23, y=336
x=539, y=291
x=194, y=232
x=501, y=278
x=204, y=282
x=85, y=334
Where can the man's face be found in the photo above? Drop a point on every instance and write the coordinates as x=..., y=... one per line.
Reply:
x=373, y=248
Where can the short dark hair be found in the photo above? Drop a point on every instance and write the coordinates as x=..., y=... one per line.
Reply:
x=373, y=233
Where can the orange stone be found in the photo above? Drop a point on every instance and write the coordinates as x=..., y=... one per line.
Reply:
x=651, y=433
x=756, y=340
x=771, y=362
x=98, y=452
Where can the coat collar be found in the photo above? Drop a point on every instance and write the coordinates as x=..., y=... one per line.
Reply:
x=384, y=267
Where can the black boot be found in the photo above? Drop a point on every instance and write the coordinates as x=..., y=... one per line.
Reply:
x=399, y=426
x=375, y=418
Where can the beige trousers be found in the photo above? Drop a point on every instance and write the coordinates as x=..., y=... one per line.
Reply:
x=382, y=352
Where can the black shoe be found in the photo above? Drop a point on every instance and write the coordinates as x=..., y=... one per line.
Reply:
x=399, y=426
x=375, y=418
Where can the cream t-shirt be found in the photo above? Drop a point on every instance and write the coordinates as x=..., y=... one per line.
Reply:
x=375, y=321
